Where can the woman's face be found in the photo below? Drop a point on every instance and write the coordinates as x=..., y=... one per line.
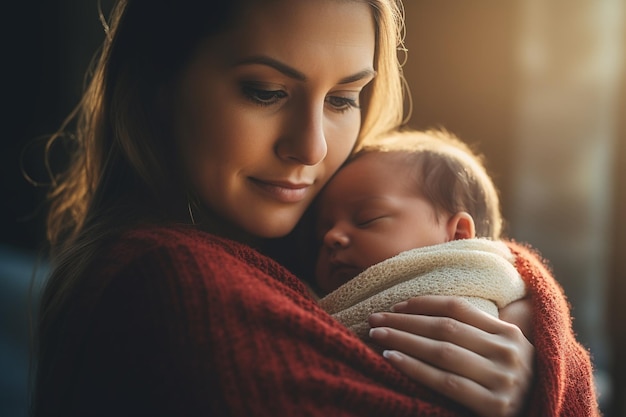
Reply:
x=268, y=111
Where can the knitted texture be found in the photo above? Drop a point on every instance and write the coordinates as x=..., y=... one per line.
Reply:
x=173, y=321
x=479, y=270
x=564, y=376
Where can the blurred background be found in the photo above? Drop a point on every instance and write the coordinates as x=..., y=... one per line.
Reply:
x=539, y=87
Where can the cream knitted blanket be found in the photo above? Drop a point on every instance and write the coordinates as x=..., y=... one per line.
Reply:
x=479, y=270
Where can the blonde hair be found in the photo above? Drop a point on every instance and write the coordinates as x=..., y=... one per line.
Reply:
x=384, y=111
x=447, y=172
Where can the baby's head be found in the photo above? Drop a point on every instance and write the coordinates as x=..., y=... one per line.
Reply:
x=409, y=190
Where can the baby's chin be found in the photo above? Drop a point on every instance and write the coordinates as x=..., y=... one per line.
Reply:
x=336, y=276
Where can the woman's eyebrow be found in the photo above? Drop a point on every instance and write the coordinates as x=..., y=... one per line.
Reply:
x=274, y=63
x=361, y=75
x=298, y=75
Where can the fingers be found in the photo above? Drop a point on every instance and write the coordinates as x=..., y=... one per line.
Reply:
x=452, y=307
x=443, y=329
x=443, y=356
x=474, y=396
x=454, y=320
x=454, y=348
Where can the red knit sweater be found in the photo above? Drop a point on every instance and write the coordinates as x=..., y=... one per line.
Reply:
x=177, y=322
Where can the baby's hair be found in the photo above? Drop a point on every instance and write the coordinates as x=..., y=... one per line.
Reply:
x=447, y=172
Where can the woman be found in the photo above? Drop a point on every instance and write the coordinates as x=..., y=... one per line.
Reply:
x=207, y=129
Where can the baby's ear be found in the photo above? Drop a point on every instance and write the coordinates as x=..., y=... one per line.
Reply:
x=461, y=226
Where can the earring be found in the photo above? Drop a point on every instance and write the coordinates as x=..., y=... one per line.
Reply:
x=193, y=221
x=192, y=201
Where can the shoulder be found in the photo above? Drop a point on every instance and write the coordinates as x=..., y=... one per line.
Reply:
x=144, y=240
x=179, y=244
x=185, y=259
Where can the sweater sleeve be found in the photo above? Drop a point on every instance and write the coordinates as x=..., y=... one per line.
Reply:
x=564, y=383
x=205, y=329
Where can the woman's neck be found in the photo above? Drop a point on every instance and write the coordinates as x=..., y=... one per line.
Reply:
x=212, y=223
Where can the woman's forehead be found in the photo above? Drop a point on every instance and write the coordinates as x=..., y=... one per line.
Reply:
x=301, y=38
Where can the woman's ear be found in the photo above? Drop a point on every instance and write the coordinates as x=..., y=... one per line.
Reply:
x=461, y=226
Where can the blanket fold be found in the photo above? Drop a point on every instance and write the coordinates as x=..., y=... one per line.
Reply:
x=480, y=270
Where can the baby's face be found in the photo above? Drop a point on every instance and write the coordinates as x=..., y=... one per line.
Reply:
x=371, y=211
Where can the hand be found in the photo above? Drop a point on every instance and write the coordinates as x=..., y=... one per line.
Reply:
x=459, y=351
x=519, y=313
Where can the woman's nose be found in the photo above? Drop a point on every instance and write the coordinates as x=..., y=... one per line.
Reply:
x=336, y=238
x=304, y=141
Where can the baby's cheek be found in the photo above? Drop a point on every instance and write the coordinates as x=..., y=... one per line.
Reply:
x=321, y=268
x=376, y=251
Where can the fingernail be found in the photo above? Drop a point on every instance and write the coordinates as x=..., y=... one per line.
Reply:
x=375, y=319
x=399, y=307
x=392, y=354
x=378, y=332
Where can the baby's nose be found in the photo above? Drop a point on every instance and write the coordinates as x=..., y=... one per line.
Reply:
x=336, y=238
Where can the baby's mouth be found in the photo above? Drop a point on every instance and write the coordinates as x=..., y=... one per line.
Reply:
x=341, y=273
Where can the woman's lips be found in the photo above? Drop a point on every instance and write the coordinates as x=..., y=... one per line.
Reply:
x=283, y=191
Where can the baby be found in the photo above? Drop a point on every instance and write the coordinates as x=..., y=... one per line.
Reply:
x=411, y=215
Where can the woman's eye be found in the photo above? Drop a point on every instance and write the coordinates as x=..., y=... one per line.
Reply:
x=342, y=104
x=262, y=96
